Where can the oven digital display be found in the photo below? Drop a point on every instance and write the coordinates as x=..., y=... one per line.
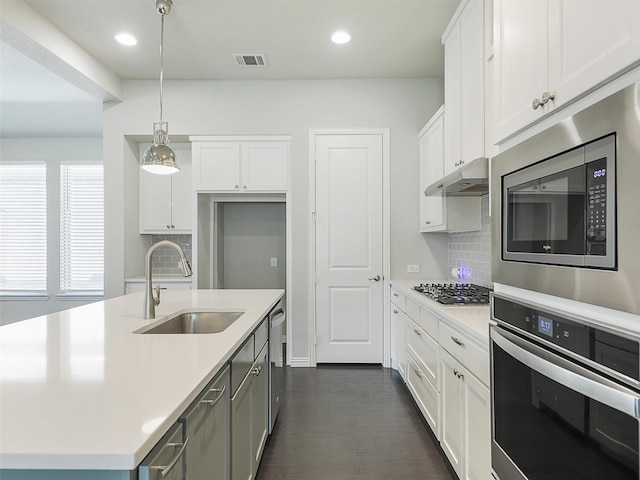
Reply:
x=545, y=326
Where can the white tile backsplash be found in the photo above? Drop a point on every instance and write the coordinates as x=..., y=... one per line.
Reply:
x=166, y=260
x=471, y=251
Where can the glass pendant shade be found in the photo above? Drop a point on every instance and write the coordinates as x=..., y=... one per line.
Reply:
x=159, y=158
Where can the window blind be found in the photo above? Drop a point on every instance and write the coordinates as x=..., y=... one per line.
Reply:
x=23, y=227
x=81, y=228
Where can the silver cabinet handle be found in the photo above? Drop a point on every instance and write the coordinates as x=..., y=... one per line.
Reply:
x=418, y=374
x=566, y=373
x=165, y=469
x=546, y=96
x=458, y=373
x=396, y=295
x=212, y=403
x=376, y=278
x=417, y=332
x=256, y=370
x=395, y=311
x=441, y=185
x=428, y=222
x=457, y=341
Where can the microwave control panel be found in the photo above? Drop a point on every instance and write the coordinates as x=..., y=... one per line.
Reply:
x=597, y=207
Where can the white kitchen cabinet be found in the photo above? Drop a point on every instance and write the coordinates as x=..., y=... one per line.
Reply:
x=240, y=164
x=398, y=326
x=549, y=53
x=165, y=200
x=437, y=212
x=464, y=94
x=466, y=421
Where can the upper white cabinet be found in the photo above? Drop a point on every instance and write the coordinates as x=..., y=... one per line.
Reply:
x=464, y=85
x=549, y=53
x=240, y=164
x=165, y=200
x=437, y=212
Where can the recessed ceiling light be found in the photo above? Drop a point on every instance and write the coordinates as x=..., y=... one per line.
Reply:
x=341, y=38
x=126, y=39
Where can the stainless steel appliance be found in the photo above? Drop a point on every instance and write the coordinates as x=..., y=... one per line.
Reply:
x=455, y=293
x=276, y=359
x=562, y=211
x=565, y=395
x=611, y=253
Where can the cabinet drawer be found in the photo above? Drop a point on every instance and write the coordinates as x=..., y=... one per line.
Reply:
x=412, y=309
x=241, y=363
x=261, y=335
x=470, y=355
x=425, y=395
x=399, y=299
x=429, y=322
x=424, y=350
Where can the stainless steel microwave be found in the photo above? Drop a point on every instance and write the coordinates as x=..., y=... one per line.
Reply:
x=562, y=209
x=605, y=269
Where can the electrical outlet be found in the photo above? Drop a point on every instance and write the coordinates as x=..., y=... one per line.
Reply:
x=274, y=261
x=413, y=268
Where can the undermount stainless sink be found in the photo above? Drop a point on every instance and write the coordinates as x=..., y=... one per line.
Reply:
x=194, y=323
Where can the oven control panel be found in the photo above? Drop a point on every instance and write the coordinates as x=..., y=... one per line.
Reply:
x=616, y=352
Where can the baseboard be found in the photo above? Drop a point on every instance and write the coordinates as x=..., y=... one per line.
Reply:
x=300, y=362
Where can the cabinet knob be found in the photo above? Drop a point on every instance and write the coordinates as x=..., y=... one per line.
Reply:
x=457, y=164
x=244, y=186
x=546, y=96
x=461, y=162
x=428, y=222
x=536, y=103
x=172, y=226
x=237, y=186
x=168, y=226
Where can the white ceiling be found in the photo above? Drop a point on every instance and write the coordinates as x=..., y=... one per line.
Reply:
x=390, y=39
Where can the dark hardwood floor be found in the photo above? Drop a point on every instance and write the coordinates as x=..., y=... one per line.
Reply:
x=350, y=423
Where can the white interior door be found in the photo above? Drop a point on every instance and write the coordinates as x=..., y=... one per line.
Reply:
x=349, y=248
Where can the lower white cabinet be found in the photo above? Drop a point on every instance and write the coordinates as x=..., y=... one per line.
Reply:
x=207, y=425
x=424, y=393
x=249, y=406
x=466, y=427
x=398, y=342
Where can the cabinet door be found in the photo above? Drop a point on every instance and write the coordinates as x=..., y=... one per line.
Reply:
x=590, y=41
x=432, y=169
x=398, y=339
x=216, y=166
x=477, y=426
x=181, y=196
x=452, y=420
x=424, y=393
x=155, y=203
x=472, y=82
x=207, y=425
x=260, y=406
x=452, y=99
x=264, y=166
x=242, y=431
x=520, y=63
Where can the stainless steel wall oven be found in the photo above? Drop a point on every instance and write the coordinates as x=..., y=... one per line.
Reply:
x=565, y=396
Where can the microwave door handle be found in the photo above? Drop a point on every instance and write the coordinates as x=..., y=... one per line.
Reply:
x=568, y=374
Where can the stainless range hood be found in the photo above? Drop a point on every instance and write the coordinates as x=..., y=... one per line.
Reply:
x=468, y=180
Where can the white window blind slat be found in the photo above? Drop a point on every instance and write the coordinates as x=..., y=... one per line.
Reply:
x=81, y=228
x=23, y=227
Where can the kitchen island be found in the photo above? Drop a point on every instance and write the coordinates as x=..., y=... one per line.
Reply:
x=81, y=393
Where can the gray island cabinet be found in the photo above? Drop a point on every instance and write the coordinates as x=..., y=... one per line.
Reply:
x=144, y=403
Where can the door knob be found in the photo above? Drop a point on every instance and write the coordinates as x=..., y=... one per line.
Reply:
x=376, y=278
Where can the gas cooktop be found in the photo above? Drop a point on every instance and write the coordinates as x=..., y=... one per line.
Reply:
x=455, y=293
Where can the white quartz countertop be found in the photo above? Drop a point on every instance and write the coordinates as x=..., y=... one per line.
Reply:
x=79, y=390
x=472, y=320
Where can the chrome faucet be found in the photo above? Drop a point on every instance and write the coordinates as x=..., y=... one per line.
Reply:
x=151, y=297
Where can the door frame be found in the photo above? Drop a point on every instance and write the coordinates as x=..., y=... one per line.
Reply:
x=386, y=236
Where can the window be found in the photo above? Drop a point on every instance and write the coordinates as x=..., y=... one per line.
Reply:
x=23, y=227
x=81, y=228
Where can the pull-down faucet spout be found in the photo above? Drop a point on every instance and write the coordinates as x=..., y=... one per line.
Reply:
x=151, y=298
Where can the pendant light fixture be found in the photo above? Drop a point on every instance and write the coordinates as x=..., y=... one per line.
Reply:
x=159, y=158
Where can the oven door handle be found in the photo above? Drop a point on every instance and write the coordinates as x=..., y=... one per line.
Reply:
x=567, y=373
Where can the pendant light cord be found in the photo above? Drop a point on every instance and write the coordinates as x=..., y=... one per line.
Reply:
x=161, y=62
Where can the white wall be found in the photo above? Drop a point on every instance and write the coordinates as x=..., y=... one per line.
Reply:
x=52, y=150
x=276, y=107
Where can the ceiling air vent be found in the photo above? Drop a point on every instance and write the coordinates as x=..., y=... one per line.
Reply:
x=250, y=60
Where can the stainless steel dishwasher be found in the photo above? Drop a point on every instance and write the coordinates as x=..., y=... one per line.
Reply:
x=276, y=369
